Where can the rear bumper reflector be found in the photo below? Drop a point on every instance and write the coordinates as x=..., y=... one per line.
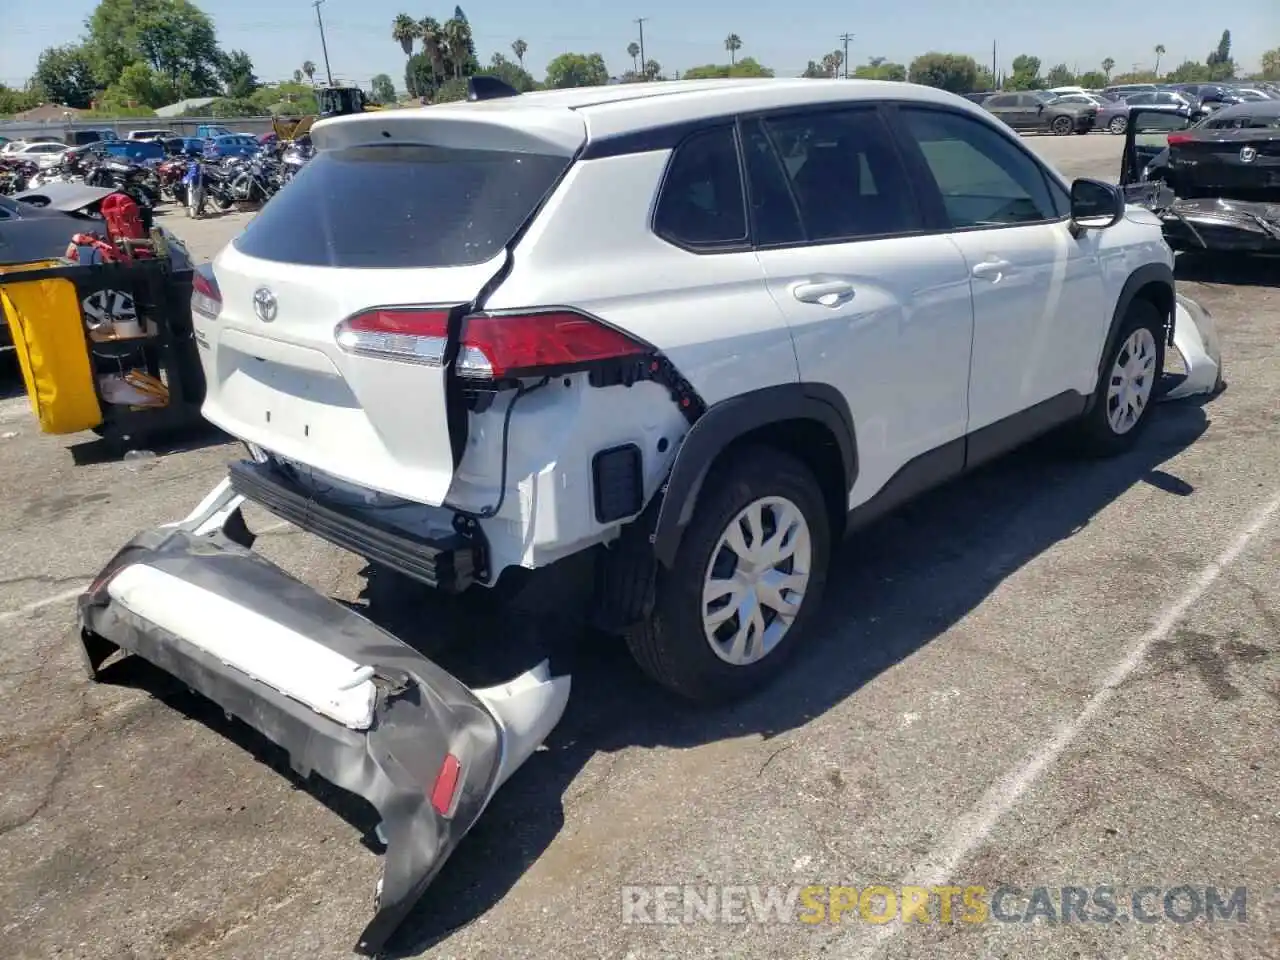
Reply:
x=445, y=563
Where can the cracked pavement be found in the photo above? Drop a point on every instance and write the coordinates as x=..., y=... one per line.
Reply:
x=137, y=822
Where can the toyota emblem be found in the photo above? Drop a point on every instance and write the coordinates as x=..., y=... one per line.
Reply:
x=1248, y=155
x=264, y=304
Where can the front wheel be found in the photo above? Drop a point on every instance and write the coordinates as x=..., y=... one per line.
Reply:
x=1118, y=125
x=1061, y=126
x=746, y=582
x=1125, y=394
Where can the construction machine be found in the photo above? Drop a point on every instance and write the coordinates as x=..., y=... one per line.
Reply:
x=336, y=100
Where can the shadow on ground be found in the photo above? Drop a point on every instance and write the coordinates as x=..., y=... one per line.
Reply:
x=904, y=582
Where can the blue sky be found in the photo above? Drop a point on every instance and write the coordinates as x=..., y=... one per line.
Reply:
x=280, y=34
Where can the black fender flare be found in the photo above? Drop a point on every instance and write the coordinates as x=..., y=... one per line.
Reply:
x=731, y=419
x=1157, y=273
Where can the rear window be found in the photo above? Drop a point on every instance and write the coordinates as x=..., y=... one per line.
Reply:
x=401, y=205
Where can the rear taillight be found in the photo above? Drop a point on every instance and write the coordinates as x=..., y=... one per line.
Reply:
x=493, y=346
x=409, y=334
x=497, y=346
x=446, y=785
x=206, y=298
x=1177, y=138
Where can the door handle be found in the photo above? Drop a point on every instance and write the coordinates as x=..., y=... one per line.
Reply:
x=995, y=269
x=828, y=293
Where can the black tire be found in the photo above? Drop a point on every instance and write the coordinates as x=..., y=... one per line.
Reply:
x=1096, y=437
x=1117, y=125
x=1061, y=126
x=670, y=645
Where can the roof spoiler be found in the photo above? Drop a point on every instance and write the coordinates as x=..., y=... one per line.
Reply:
x=482, y=87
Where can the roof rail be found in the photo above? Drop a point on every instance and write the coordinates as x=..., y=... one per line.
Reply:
x=482, y=87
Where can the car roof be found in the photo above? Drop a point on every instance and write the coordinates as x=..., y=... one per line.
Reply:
x=1250, y=108
x=619, y=109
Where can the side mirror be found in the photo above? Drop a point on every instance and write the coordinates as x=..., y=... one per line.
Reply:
x=1095, y=205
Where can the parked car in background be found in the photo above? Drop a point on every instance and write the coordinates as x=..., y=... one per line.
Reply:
x=1123, y=90
x=207, y=131
x=231, y=145
x=149, y=134
x=183, y=146
x=78, y=138
x=43, y=153
x=1041, y=111
x=1114, y=117
x=1096, y=99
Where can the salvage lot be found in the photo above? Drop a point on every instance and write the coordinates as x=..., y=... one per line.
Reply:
x=973, y=712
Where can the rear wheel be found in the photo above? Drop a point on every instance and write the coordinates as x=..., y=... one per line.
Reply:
x=1118, y=125
x=746, y=581
x=1125, y=394
x=1061, y=126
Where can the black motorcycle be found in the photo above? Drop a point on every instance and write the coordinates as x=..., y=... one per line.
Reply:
x=138, y=181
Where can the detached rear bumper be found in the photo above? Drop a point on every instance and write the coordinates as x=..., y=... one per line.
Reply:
x=1221, y=225
x=345, y=699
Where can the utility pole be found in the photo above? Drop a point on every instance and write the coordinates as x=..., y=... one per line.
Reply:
x=644, y=64
x=323, y=46
x=994, y=66
x=846, y=37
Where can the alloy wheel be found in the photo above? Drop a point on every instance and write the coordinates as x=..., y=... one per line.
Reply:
x=756, y=580
x=1133, y=376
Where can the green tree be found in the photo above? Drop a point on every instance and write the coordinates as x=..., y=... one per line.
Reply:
x=519, y=48
x=985, y=80
x=309, y=70
x=652, y=71
x=227, y=108
x=404, y=31
x=1059, y=76
x=1107, y=66
x=173, y=37
x=512, y=74
x=746, y=67
x=1026, y=74
x=141, y=85
x=1189, y=71
x=16, y=101
x=470, y=63
x=1159, y=54
x=947, y=71
x=1092, y=80
x=64, y=75
x=384, y=91
x=433, y=49
x=733, y=43
x=297, y=76
x=287, y=99
x=633, y=51
x=1271, y=64
x=1219, y=62
x=236, y=70
x=815, y=71
x=880, y=69
x=831, y=63
x=578, y=70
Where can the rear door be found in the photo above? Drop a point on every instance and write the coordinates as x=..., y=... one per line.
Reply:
x=397, y=223
x=1005, y=107
x=878, y=307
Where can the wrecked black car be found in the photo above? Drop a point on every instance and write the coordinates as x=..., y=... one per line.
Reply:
x=1213, y=179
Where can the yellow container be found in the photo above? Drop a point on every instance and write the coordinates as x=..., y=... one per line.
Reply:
x=48, y=334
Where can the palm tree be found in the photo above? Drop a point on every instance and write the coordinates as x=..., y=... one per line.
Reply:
x=633, y=51
x=831, y=63
x=404, y=30
x=456, y=37
x=1107, y=66
x=652, y=70
x=1159, y=54
x=432, y=36
x=520, y=48
x=733, y=43
x=297, y=76
x=309, y=69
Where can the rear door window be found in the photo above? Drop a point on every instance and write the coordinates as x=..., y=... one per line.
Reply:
x=401, y=205
x=845, y=174
x=701, y=204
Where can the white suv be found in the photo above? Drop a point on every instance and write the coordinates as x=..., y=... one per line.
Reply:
x=645, y=352
x=699, y=329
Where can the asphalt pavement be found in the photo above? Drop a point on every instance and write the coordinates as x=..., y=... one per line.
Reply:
x=1053, y=674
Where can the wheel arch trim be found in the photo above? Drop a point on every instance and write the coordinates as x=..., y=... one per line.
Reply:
x=1147, y=275
x=730, y=420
